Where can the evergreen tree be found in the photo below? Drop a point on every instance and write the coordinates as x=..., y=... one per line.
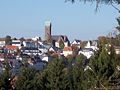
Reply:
x=78, y=77
x=56, y=73
x=76, y=73
x=79, y=58
x=101, y=69
x=40, y=81
x=5, y=77
x=25, y=79
x=105, y=66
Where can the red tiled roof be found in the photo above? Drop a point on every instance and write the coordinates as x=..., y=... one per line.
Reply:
x=11, y=47
x=67, y=49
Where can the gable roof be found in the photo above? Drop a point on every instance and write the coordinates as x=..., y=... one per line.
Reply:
x=76, y=41
x=59, y=37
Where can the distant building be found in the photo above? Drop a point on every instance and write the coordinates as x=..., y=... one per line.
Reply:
x=17, y=43
x=54, y=39
x=88, y=52
x=57, y=38
x=29, y=44
x=92, y=44
x=117, y=49
x=30, y=51
x=48, y=31
x=67, y=51
x=36, y=38
x=2, y=42
x=11, y=49
x=76, y=43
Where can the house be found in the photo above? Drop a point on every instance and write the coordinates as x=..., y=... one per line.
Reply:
x=43, y=49
x=92, y=44
x=56, y=39
x=2, y=42
x=76, y=43
x=117, y=49
x=88, y=52
x=17, y=43
x=66, y=43
x=67, y=51
x=10, y=49
x=36, y=38
x=30, y=51
x=29, y=44
x=57, y=44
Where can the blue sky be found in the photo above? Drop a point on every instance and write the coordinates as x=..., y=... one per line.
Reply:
x=25, y=18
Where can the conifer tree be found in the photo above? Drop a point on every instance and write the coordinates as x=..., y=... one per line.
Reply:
x=78, y=78
x=5, y=77
x=57, y=75
x=101, y=70
x=25, y=79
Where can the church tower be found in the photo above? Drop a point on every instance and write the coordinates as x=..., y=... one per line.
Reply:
x=48, y=31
